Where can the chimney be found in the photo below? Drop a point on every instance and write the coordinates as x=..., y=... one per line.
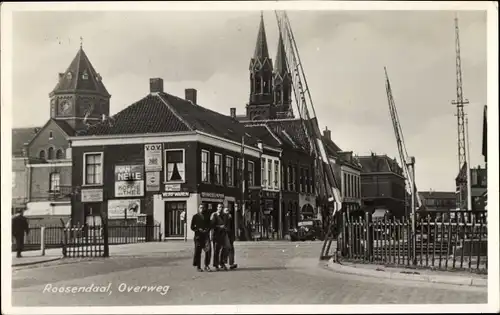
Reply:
x=327, y=133
x=233, y=112
x=61, y=75
x=156, y=85
x=191, y=95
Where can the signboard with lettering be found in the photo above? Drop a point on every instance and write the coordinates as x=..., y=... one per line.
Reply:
x=172, y=187
x=153, y=181
x=129, y=180
x=152, y=157
x=212, y=195
x=119, y=208
x=92, y=195
x=174, y=194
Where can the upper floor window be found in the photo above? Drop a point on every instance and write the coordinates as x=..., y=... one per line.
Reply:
x=55, y=181
x=308, y=182
x=290, y=178
x=251, y=174
x=50, y=153
x=276, y=174
x=229, y=171
x=175, y=165
x=263, y=172
x=59, y=154
x=344, y=188
x=51, y=136
x=205, y=162
x=283, y=177
x=41, y=155
x=218, y=169
x=92, y=168
x=239, y=172
x=294, y=178
x=269, y=173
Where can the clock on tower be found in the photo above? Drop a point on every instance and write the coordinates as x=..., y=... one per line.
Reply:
x=64, y=107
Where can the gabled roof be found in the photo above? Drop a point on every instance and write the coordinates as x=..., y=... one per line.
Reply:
x=80, y=76
x=289, y=131
x=379, y=164
x=21, y=136
x=437, y=194
x=65, y=127
x=265, y=135
x=166, y=113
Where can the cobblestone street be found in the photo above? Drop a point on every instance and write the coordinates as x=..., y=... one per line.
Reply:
x=279, y=273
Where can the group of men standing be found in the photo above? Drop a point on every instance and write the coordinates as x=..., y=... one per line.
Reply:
x=213, y=232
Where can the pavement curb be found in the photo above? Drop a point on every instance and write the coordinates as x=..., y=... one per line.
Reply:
x=454, y=280
x=36, y=262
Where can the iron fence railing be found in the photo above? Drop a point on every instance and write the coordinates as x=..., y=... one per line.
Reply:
x=88, y=240
x=452, y=242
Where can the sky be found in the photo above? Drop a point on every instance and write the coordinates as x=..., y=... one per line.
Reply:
x=343, y=55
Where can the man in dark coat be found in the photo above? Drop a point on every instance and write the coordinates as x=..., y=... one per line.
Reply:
x=19, y=227
x=201, y=226
x=228, y=223
x=219, y=235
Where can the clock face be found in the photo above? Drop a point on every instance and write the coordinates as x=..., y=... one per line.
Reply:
x=64, y=107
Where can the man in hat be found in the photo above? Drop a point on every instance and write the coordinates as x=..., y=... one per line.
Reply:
x=19, y=227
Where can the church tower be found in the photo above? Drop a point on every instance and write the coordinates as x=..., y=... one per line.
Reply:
x=79, y=97
x=282, y=84
x=261, y=76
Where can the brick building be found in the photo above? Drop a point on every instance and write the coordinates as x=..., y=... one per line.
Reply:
x=382, y=185
x=163, y=155
x=41, y=161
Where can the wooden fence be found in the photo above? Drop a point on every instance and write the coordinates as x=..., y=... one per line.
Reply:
x=453, y=242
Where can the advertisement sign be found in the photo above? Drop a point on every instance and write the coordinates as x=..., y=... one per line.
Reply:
x=92, y=195
x=152, y=157
x=129, y=180
x=153, y=181
x=172, y=187
x=174, y=194
x=118, y=208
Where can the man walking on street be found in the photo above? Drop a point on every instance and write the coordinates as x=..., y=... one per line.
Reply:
x=218, y=237
x=201, y=226
x=231, y=237
x=19, y=227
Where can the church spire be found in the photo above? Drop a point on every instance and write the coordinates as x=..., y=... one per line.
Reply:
x=282, y=83
x=280, y=66
x=261, y=50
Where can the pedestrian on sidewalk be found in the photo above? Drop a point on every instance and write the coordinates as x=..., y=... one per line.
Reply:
x=20, y=226
x=230, y=237
x=201, y=226
x=218, y=237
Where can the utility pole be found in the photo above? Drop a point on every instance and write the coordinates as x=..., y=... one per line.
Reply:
x=459, y=103
x=411, y=164
x=469, y=188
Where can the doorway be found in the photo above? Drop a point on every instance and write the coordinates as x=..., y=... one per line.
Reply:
x=174, y=226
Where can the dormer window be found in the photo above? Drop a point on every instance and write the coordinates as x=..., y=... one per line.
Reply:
x=69, y=75
x=50, y=135
x=85, y=75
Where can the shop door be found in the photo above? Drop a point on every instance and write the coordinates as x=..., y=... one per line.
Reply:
x=174, y=227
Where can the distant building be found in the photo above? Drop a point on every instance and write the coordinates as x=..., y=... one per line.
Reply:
x=41, y=156
x=383, y=185
x=438, y=200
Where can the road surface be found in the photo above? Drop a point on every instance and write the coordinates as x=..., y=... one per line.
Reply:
x=286, y=273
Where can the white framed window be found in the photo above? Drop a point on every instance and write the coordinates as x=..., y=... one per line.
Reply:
x=269, y=173
x=276, y=174
x=55, y=182
x=251, y=174
x=175, y=166
x=92, y=168
x=229, y=171
x=263, y=172
x=218, y=169
x=205, y=166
